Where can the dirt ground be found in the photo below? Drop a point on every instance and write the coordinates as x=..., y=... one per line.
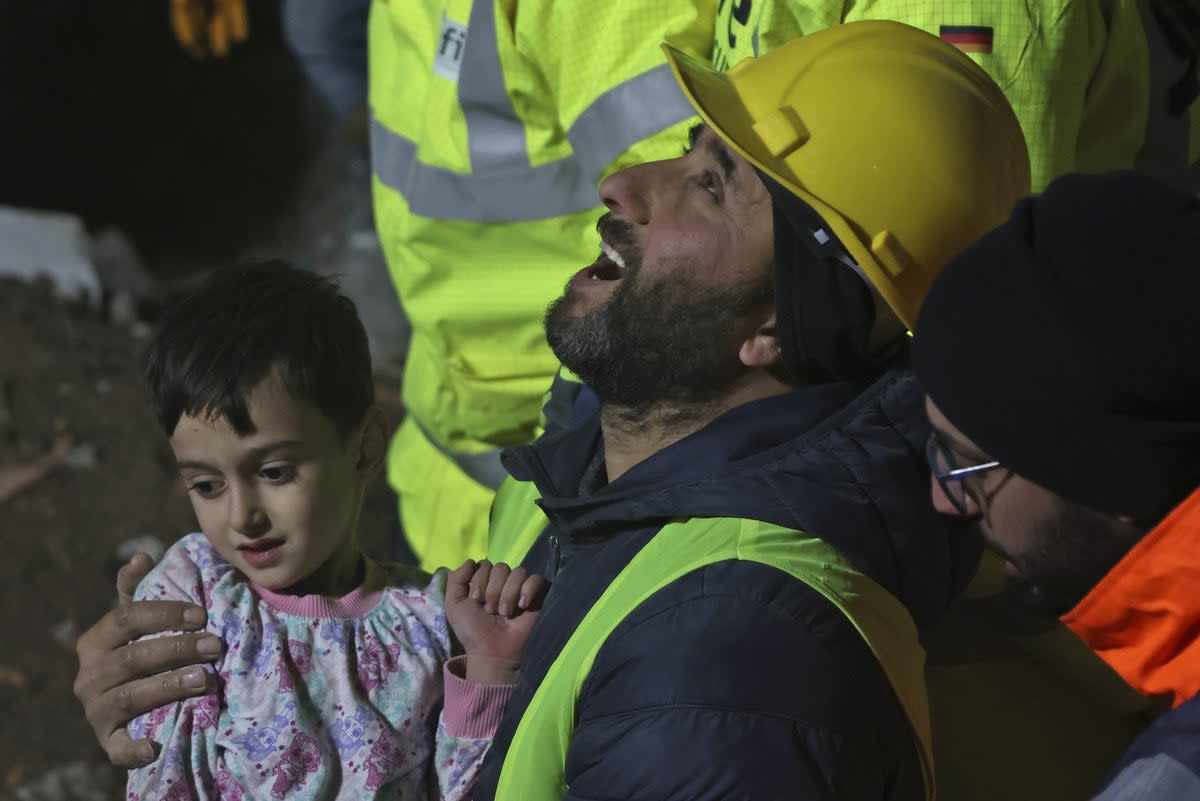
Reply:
x=198, y=163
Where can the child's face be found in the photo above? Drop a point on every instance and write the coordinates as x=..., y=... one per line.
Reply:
x=281, y=505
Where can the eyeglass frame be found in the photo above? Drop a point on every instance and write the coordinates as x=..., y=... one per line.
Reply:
x=933, y=447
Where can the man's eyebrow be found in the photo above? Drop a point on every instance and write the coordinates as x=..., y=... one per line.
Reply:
x=252, y=455
x=717, y=149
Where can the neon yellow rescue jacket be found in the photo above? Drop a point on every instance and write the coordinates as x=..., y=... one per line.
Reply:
x=1078, y=73
x=491, y=124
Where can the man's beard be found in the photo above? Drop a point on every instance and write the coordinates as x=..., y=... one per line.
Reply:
x=1073, y=550
x=657, y=342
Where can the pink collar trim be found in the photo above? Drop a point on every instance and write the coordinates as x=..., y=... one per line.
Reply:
x=354, y=604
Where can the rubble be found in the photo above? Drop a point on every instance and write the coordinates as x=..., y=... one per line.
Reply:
x=14, y=479
x=51, y=245
x=120, y=267
x=84, y=456
x=65, y=633
x=74, y=781
x=146, y=543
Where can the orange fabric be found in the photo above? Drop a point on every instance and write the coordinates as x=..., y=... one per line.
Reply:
x=1143, y=618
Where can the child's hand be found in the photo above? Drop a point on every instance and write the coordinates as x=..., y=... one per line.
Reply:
x=492, y=609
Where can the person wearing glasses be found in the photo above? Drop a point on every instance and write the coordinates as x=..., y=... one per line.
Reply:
x=1073, y=437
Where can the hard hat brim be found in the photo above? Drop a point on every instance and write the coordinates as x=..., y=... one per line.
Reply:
x=713, y=94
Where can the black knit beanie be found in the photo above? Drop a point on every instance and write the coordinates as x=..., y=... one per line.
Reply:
x=1066, y=343
x=824, y=311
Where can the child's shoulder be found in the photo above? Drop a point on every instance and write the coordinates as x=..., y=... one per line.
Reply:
x=412, y=579
x=414, y=607
x=187, y=570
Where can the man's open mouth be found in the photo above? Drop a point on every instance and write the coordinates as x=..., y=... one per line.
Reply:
x=609, y=267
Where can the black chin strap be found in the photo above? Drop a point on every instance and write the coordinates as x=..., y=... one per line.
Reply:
x=825, y=311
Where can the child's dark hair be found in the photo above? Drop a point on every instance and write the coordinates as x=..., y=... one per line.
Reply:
x=246, y=322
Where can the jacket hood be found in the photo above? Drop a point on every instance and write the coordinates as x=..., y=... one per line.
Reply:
x=847, y=468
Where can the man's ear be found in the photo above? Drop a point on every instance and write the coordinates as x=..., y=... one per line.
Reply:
x=761, y=348
x=372, y=442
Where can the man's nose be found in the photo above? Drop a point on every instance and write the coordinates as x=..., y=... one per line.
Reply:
x=247, y=515
x=631, y=193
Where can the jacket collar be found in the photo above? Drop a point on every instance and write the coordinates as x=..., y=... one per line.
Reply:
x=648, y=492
x=1143, y=617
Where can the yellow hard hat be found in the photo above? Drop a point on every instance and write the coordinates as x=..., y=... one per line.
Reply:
x=901, y=143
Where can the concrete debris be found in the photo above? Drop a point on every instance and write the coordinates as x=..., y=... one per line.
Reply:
x=120, y=267
x=15, y=479
x=65, y=633
x=13, y=677
x=146, y=543
x=84, y=456
x=122, y=308
x=74, y=781
x=51, y=245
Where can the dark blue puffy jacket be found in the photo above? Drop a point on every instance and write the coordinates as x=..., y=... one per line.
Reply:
x=737, y=680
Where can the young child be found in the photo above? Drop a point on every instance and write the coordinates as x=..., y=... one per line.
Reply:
x=335, y=666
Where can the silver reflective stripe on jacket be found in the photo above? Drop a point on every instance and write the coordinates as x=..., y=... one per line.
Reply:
x=503, y=186
x=484, y=467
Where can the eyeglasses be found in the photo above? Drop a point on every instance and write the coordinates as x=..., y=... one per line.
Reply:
x=949, y=475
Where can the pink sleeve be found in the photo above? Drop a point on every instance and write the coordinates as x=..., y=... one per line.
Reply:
x=472, y=710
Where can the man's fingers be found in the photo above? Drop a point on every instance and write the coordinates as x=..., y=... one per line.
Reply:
x=135, y=620
x=114, y=709
x=125, y=752
x=131, y=574
x=119, y=669
x=510, y=593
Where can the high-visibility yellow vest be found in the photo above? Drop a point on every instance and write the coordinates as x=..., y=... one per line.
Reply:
x=492, y=122
x=517, y=522
x=533, y=768
x=1018, y=709
x=1077, y=72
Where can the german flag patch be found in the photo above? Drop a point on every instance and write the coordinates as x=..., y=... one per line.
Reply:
x=968, y=38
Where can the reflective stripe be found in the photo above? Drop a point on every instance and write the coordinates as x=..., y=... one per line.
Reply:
x=640, y=107
x=503, y=186
x=822, y=237
x=483, y=468
x=518, y=194
x=495, y=136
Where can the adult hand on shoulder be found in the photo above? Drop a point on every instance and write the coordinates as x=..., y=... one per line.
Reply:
x=492, y=609
x=120, y=679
